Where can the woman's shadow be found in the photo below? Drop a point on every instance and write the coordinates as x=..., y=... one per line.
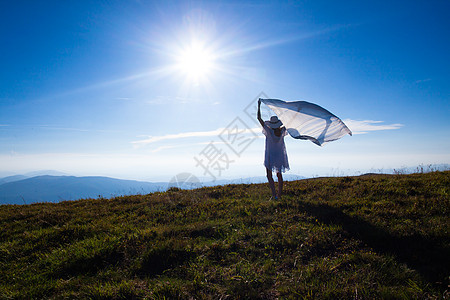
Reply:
x=428, y=256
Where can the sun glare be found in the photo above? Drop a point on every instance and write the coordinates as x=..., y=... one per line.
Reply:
x=195, y=62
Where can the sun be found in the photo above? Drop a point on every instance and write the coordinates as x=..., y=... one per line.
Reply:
x=195, y=61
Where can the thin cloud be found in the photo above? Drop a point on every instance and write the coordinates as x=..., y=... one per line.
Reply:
x=184, y=135
x=154, y=139
x=165, y=148
x=362, y=127
x=50, y=127
x=357, y=127
x=423, y=80
x=184, y=146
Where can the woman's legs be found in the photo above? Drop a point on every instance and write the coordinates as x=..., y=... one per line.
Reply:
x=271, y=183
x=280, y=184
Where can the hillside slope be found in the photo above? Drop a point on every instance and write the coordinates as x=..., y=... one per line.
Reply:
x=376, y=236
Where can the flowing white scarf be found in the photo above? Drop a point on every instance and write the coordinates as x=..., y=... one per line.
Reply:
x=308, y=121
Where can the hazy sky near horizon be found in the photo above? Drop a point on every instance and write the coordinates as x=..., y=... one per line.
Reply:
x=149, y=89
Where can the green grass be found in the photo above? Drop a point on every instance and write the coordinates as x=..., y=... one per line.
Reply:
x=368, y=237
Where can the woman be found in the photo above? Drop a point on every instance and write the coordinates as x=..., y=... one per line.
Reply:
x=276, y=156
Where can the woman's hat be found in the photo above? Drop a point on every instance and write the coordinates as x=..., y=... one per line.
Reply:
x=274, y=122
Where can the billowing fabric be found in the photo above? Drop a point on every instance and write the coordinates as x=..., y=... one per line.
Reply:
x=275, y=158
x=308, y=121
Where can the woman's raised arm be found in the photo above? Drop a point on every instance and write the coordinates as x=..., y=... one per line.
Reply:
x=258, y=115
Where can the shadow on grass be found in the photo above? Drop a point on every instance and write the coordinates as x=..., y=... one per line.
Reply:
x=88, y=265
x=425, y=255
x=157, y=260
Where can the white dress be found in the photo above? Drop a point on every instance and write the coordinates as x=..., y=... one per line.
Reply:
x=276, y=156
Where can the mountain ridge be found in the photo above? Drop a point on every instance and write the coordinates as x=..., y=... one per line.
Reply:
x=20, y=189
x=48, y=188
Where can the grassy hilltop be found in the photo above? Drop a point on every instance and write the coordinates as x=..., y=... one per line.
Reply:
x=373, y=236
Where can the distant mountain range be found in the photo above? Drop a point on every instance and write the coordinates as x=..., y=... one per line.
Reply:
x=31, y=174
x=23, y=189
x=59, y=188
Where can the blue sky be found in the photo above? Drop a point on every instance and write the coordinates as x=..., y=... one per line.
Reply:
x=146, y=89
